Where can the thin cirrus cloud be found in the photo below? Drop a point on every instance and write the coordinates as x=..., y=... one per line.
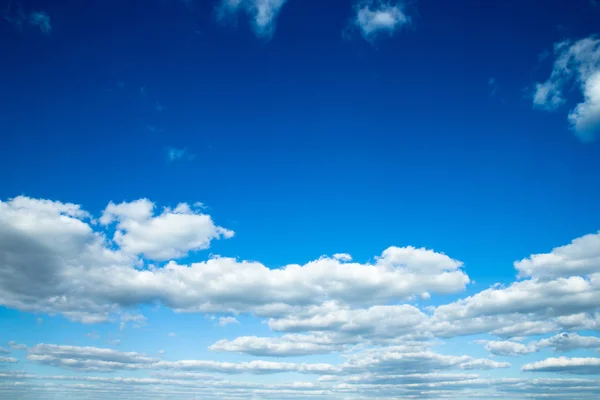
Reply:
x=261, y=13
x=575, y=63
x=375, y=17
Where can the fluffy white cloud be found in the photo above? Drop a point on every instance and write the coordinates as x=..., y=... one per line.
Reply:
x=375, y=16
x=576, y=366
x=580, y=257
x=577, y=62
x=570, y=341
x=262, y=13
x=171, y=234
x=8, y=360
x=55, y=258
x=508, y=348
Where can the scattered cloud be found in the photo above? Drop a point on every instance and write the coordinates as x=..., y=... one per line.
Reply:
x=375, y=17
x=575, y=62
x=262, y=13
x=16, y=346
x=223, y=321
x=8, y=360
x=175, y=154
x=4, y=351
x=93, y=335
x=137, y=320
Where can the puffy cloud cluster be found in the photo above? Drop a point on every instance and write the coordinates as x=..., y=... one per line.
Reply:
x=578, y=62
x=56, y=258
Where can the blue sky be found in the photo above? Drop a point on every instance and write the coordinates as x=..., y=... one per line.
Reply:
x=340, y=199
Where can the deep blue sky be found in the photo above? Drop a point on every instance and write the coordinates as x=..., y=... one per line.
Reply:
x=313, y=141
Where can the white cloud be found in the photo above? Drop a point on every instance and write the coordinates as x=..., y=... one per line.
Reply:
x=224, y=321
x=570, y=341
x=577, y=62
x=508, y=348
x=376, y=16
x=11, y=360
x=286, y=346
x=4, y=351
x=137, y=319
x=343, y=257
x=262, y=13
x=52, y=250
x=580, y=257
x=171, y=234
x=16, y=346
x=576, y=366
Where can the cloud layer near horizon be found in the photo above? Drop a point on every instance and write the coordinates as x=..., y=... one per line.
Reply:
x=57, y=258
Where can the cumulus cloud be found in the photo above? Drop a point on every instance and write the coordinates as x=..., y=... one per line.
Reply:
x=570, y=341
x=508, y=348
x=374, y=17
x=8, y=360
x=580, y=257
x=262, y=13
x=4, y=351
x=56, y=258
x=578, y=62
x=564, y=365
x=171, y=234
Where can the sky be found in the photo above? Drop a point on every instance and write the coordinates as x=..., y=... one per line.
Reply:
x=273, y=199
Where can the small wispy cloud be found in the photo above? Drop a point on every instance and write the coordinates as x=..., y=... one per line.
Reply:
x=17, y=346
x=42, y=20
x=93, y=335
x=224, y=321
x=493, y=85
x=38, y=19
x=172, y=334
x=262, y=13
x=374, y=17
x=176, y=154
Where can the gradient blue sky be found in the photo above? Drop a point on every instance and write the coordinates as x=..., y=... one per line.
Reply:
x=328, y=127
